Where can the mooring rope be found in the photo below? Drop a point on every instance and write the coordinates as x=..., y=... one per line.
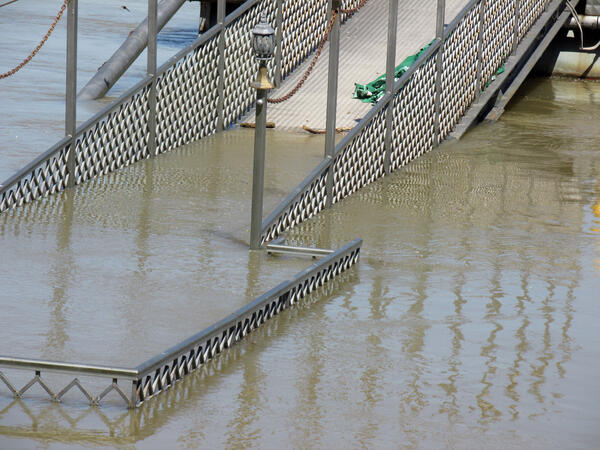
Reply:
x=42, y=42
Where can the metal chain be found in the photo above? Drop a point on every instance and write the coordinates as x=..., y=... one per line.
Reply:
x=42, y=42
x=310, y=68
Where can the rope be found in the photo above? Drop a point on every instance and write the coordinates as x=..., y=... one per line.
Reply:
x=310, y=68
x=7, y=3
x=42, y=42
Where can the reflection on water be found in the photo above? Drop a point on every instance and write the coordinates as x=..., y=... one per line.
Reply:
x=471, y=320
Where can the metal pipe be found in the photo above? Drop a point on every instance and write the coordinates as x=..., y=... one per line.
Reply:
x=258, y=173
x=278, y=43
x=151, y=72
x=439, y=34
x=71, y=88
x=117, y=64
x=587, y=22
x=479, y=68
x=517, y=17
x=63, y=367
x=332, y=86
x=390, y=79
x=221, y=67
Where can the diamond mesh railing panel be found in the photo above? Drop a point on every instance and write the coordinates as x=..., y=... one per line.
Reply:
x=205, y=346
x=498, y=36
x=187, y=98
x=309, y=200
x=303, y=27
x=529, y=11
x=240, y=66
x=45, y=178
x=362, y=161
x=119, y=139
x=413, y=116
x=459, y=71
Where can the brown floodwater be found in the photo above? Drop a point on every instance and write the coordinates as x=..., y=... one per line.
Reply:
x=471, y=320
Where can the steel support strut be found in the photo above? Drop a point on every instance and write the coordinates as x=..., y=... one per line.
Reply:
x=389, y=79
x=151, y=72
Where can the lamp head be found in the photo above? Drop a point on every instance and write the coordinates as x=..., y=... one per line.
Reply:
x=263, y=39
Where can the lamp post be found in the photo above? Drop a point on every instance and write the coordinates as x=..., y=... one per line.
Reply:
x=263, y=44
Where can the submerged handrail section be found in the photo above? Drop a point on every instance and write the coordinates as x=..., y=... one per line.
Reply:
x=158, y=373
x=423, y=108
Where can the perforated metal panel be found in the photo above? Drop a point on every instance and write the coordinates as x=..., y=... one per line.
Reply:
x=47, y=177
x=303, y=27
x=119, y=139
x=498, y=35
x=414, y=116
x=309, y=201
x=459, y=71
x=187, y=98
x=361, y=161
x=529, y=11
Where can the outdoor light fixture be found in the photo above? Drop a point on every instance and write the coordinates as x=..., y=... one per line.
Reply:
x=263, y=44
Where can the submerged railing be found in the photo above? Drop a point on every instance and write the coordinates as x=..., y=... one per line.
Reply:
x=421, y=110
x=162, y=371
x=202, y=89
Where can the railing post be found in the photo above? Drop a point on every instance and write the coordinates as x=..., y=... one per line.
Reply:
x=332, y=86
x=439, y=34
x=479, y=67
x=221, y=67
x=516, y=27
x=258, y=173
x=389, y=80
x=71, y=89
x=151, y=72
x=279, y=43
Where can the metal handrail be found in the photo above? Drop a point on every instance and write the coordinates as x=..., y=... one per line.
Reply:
x=70, y=368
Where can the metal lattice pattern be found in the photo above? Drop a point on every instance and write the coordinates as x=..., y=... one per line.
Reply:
x=361, y=161
x=164, y=376
x=187, y=98
x=303, y=27
x=498, y=36
x=240, y=66
x=414, y=116
x=48, y=177
x=529, y=11
x=57, y=396
x=309, y=201
x=118, y=140
x=459, y=71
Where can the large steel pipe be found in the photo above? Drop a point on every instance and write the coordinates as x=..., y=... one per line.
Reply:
x=127, y=53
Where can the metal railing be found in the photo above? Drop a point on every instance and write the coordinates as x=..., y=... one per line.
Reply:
x=202, y=89
x=162, y=371
x=421, y=109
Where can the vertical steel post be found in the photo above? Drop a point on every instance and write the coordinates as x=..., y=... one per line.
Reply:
x=278, y=43
x=151, y=72
x=332, y=86
x=258, y=173
x=71, y=89
x=516, y=27
x=479, y=82
x=133, y=398
x=389, y=80
x=221, y=67
x=439, y=67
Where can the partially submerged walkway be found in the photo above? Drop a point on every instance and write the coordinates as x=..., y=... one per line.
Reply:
x=362, y=58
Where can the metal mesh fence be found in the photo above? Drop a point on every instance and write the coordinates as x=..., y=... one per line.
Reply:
x=474, y=47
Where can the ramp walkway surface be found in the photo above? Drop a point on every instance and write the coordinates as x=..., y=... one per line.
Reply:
x=363, y=49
